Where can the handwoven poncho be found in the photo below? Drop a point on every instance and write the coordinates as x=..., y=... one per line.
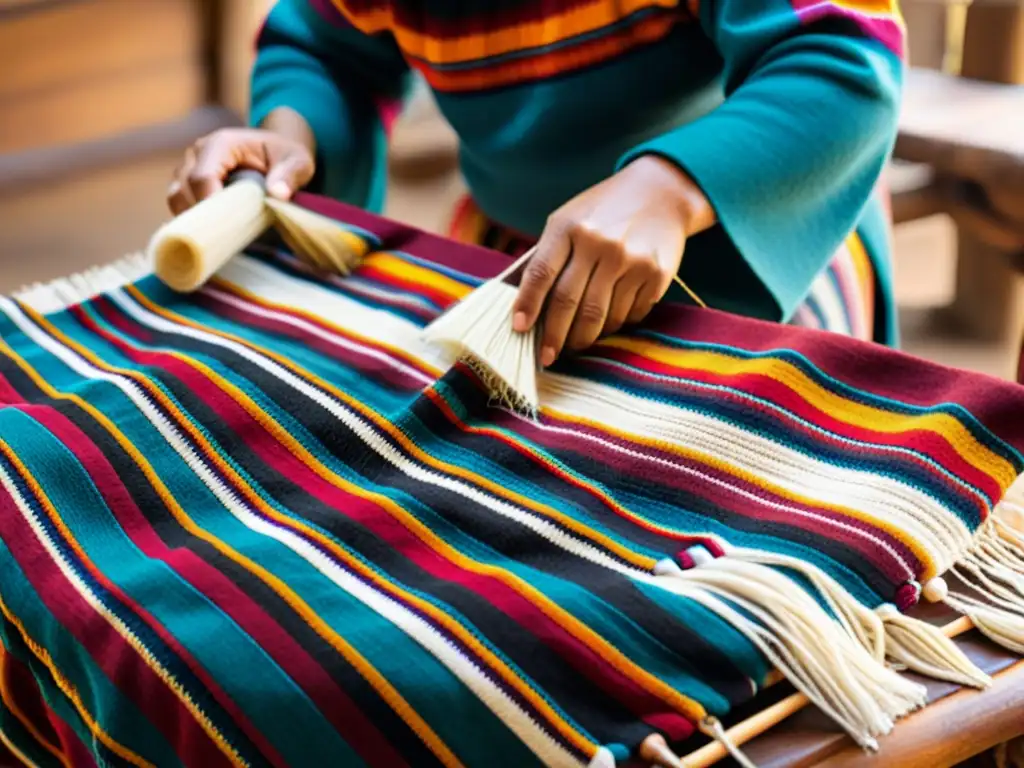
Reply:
x=267, y=524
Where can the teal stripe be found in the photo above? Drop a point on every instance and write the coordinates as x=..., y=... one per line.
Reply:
x=980, y=432
x=387, y=648
x=115, y=713
x=187, y=614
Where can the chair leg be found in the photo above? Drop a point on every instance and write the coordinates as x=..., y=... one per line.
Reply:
x=989, y=300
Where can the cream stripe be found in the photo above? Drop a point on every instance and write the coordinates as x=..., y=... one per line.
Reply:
x=830, y=303
x=315, y=330
x=534, y=736
x=938, y=531
x=389, y=329
x=673, y=466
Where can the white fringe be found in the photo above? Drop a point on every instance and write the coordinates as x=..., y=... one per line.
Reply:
x=64, y=292
x=479, y=331
x=820, y=656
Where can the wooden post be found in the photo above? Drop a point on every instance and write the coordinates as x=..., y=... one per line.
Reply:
x=988, y=302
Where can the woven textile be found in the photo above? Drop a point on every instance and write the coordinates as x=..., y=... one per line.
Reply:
x=265, y=524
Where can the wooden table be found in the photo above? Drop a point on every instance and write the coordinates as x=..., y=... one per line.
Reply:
x=956, y=725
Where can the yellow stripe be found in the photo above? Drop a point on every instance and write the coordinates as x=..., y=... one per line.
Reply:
x=384, y=688
x=713, y=461
x=18, y=754
x=144, y=653
x=582, y=632
x=71, y=693
x=15, y=710
x=857, y=414
x=550, y=30
x=391, y=264
x=628, y=555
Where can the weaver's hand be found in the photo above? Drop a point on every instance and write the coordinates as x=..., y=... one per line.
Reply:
x=608, y=255
x=282, y=150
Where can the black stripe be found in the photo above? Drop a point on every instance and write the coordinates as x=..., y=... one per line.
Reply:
x=405, y=741
x=510, y=540
x=523, y=648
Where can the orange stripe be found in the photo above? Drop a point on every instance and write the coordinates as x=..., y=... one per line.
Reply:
x=131, y=640
x=550, y=30
x=71, y=693
x=383, y=688
x=571, y=479
x=553, y=63
x=582, y=632
x=15, y=710
x=634, y=558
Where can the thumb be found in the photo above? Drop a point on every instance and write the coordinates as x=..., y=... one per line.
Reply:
x=288, y=176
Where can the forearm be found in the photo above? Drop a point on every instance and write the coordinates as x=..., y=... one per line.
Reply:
x=322, y=82
x=288, y=123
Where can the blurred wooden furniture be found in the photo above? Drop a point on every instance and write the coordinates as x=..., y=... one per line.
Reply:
x=98, y=105
x=967, y=131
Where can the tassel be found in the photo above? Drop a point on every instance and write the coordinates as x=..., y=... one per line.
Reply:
x=479, y=331
x=64, y=292
x=994, y=569
x=923, y=648
x=813, y=650
x=190, y=248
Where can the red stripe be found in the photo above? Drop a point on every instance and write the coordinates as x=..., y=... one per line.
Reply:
x=375, y=518
x=77, y=754
x=756, y=385
x=122, y=664
x=336, y=706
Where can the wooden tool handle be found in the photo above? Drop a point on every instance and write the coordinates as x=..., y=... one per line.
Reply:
x=246, y=174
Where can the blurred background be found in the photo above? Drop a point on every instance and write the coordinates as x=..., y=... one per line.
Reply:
x=98, y=98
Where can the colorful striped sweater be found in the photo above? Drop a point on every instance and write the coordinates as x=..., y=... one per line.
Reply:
x=783, y=111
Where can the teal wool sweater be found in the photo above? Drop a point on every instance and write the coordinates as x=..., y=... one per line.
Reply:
x=783, y=111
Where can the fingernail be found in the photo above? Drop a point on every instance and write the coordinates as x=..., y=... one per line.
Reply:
x=280, y=190
x=547, y=356
x=519, y=322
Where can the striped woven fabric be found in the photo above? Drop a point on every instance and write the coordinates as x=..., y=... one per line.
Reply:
x=266, y=524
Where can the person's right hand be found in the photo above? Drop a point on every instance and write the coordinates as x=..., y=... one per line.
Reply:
x=287, y=164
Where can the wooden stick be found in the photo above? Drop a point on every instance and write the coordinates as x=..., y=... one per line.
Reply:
x=766, y=719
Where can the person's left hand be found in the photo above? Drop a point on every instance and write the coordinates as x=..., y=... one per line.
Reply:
x=608, y=256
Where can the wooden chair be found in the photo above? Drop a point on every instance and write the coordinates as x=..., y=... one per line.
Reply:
x=964, y=130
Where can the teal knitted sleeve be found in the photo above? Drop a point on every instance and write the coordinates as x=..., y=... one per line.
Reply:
x=343, y=82
x=791, y=157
